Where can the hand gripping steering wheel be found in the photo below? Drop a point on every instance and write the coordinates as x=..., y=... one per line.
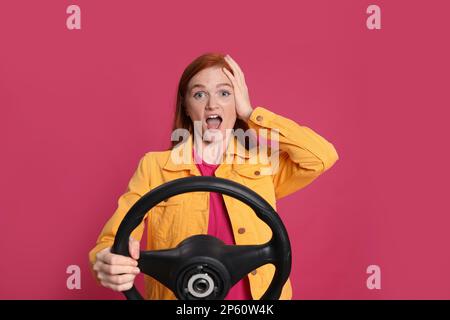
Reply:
x=202, y=266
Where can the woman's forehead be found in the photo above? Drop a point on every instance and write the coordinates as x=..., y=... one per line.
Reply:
x=209, y=77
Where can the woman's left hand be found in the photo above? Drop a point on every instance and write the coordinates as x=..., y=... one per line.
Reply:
x=241, y=97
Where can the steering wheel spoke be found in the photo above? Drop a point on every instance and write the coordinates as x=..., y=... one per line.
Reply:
x=160, y=265
x=241, y=260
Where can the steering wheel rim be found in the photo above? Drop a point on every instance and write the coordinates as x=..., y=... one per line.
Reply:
x=276, y=251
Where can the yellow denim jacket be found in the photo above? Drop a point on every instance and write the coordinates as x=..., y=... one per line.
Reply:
x=303, y=156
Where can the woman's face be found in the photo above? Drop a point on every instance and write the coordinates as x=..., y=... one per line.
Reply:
x=210, y=99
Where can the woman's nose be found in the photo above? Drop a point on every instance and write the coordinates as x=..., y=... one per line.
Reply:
x=211, y=104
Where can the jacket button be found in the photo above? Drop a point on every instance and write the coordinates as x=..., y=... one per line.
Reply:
x=257, y=173
x=254, y=272
x=241, y=230
x=259, y=118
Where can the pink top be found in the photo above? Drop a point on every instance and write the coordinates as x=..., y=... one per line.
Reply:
x=219, y=226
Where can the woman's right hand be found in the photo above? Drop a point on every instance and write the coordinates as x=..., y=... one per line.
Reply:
x=115, y=271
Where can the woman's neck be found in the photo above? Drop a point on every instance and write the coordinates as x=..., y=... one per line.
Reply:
x=211, y=152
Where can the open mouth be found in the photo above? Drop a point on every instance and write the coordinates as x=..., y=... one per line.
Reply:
x=213, y=121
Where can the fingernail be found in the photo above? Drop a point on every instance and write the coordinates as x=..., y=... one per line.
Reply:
x=137, y=270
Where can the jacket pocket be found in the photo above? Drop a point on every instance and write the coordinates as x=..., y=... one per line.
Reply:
x=253, y=175
x=165, y=221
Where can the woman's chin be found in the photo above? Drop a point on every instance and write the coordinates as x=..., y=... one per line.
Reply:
x=213, y=134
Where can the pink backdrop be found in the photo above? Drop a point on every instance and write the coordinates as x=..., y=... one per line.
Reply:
x=80, y=107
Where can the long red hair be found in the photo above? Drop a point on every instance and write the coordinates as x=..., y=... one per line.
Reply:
x=181, y=119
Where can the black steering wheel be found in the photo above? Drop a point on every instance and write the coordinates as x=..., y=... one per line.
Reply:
x=202, y=266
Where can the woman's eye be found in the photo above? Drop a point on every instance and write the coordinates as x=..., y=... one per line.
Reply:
x=226, y=93
x=198, y=94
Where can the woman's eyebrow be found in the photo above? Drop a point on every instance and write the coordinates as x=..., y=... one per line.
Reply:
x=197, y=85
x=224, y=84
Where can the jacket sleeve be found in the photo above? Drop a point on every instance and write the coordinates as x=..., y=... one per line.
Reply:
x=302, y=154
x=137, y=187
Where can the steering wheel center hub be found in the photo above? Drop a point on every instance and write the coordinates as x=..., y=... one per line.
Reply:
x=203, y=281
x=200, y=285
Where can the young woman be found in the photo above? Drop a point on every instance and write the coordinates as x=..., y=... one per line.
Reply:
x=213, y=99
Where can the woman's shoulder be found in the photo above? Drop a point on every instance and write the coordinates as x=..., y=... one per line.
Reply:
x=156, y=157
